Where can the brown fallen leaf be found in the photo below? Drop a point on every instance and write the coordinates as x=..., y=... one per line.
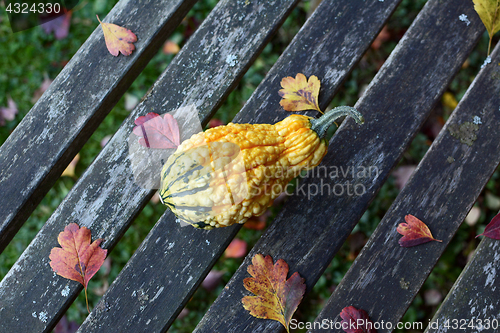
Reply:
x=489, y=12
x=414, y=232
x=77, y=259
x=300, y=94
x=118, y=39
x=9, y=112
x=277, y=298
x=171, y=47
x=356, y=321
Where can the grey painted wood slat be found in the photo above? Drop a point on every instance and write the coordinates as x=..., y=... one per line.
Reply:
x=473, y=299
x=386, y=277
x=106, y=199
x=172, y=256
x=310, y=230
x=62, y=120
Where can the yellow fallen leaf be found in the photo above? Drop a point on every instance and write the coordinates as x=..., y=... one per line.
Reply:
x=449, y=100
x=70, y=169
x=489, y=12
x=300, y=94
x=171, y=47
x=118, y=39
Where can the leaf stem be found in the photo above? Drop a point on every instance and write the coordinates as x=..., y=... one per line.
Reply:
x=321, y=124
x=87, y=299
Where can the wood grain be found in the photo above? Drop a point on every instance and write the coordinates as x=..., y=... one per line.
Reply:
x=106, y=199
x=59, y=124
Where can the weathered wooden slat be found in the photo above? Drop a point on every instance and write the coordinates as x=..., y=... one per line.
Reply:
x=172, y=261
x=473, y=299
x=106, y=198
x=310, y=230
x=385, y=277
x=62, y=120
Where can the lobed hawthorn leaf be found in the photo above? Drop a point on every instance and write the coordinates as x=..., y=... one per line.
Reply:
x=300, y=94
x=492, y=230
x=118, y=39
x=277, y=298
x=156, y=131
x=489, y=13
x=415, y=232
x=356, y=321
x=77, y=259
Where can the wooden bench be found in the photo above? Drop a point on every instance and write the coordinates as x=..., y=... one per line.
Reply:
x=165, y=271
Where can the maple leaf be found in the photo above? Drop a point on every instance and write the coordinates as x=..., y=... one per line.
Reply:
x=489, y=13
x=118, y=39
x=156, y=131
x=236, y=249
x=415, y=232
x=300, y=94
x=492, y=230
x=77, y=259
x=277, y=298
x=356, y=321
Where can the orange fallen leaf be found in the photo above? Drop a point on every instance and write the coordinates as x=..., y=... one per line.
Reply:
x=277, y=298
x=415, y=232
x=300, y=94
x=77, y=259
x=118, y=39
x=171, y=47
x=236, y=249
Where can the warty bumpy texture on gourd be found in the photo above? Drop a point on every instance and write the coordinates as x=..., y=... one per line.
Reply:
x=207, y=184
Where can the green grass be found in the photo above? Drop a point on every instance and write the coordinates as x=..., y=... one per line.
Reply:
x=43, y=55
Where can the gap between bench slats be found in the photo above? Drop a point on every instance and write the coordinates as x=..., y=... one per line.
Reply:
x=386, y=277
x=309, y=231
x=473, y=299
x=59, y=124
x=172, y=261
x=106, y=199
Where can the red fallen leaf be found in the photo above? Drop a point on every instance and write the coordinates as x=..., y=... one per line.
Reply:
x=59, y=25
x=77, y=259
x=212, y=280
x=382, y=37
x=492, y=230
x=65, y=326
x=215, y=122
x=157, y=132
x=356, y=321
x=415, y=232
x=236, y=249
x=118, y=39
x=39, y=92
x=276, y=297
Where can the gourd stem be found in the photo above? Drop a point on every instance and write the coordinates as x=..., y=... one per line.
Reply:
x=324, y=122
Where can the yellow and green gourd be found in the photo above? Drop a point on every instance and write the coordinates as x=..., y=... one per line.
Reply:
x=230, y=173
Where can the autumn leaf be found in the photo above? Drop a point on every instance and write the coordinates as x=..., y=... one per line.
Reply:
x=118, y=39
x=156, y=131
x=489, y=12
x=300, y=94
x=236, y=249
x=171, y=47
x=492, y=230
x=277, y=298
x=355, y=321
x=77, y=259
x=415, y=232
